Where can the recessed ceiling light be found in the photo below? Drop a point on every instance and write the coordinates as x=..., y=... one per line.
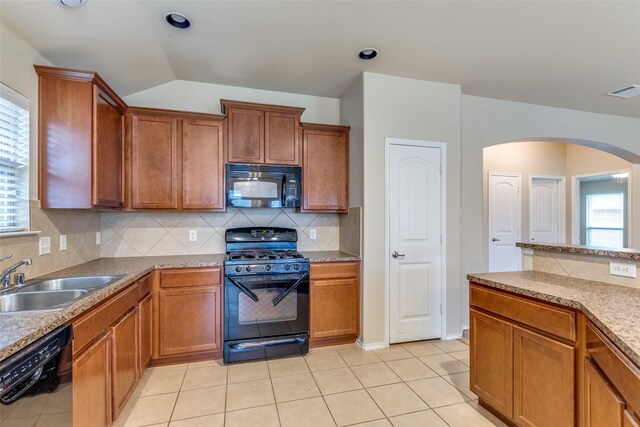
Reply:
x=626, y=92
x=368, y=53
x=70, y=3
x=177, y=20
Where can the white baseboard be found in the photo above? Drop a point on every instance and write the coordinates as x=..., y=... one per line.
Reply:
x=452, y=337
x=372, y=346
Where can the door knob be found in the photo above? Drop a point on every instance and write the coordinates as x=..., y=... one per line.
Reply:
x=395, y=254
x=493, y=239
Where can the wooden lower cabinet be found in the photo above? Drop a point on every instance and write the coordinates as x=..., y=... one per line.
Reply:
x=602, y=405
x=335, y=301
x=187, y=315
x=124, y=359
x=190, y=321
x=145, y=321
x=92, y=385
x=491, y=358
x=543, y=380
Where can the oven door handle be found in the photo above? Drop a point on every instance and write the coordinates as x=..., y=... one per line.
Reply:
x=282, y=295
x=243, y=288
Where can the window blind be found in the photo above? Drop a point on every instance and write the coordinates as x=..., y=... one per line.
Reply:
x=14, y=160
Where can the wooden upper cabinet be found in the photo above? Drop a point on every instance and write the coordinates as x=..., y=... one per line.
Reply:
x=175, y=160
x=325, y=168
x=246, y=135
x=108, y=153
x=202, y=165
x=261, y=133
x=154, y=162
x=80, y=140
x=282, y=138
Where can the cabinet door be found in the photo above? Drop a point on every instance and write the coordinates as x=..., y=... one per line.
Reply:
x=92, y=385
x=325, y=184
x=124, y=368
x=107, y=154
x=543, y=380
x=602, y=406
x=154, y=162
x=190, y=320
x=630, y=420
x=145, y=324
x=491, y=357
x=202, y=165
x=246, y=135
x=282, y=138
x=334, y=308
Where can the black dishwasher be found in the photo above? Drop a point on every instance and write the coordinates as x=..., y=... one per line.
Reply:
x=35, y=382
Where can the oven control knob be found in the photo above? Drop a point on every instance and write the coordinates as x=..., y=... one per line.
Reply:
x=296, y=266
x=287, y=267
x=248, y=269
x=267, y=268
x=238, y=269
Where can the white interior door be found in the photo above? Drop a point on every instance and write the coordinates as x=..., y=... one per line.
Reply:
x=504, y=222
x=544, y=208
x=415, y=247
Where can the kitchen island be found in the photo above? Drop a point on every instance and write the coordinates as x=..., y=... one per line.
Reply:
x=549, y=349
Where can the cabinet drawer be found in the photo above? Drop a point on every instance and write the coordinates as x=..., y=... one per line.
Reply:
x=189, y=277
x=547, y=318
x=144, y=286
x=91, y=324
x=333, y=270
x=616, y=367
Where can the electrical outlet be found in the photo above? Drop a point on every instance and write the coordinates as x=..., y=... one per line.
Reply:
x=63, y=242
x=45, y=245
x=312, y=234
x=193, y=235
x=623, y=269
x=98, y=237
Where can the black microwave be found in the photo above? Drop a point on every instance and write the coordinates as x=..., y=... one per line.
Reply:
x=263, y=186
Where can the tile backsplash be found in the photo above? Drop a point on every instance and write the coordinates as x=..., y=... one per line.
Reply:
x=80, y=227
x=126, y=234
x=582, y=267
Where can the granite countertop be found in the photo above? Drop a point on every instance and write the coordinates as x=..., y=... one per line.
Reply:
x=17, y=330
x=626, y=253
x=613, y=309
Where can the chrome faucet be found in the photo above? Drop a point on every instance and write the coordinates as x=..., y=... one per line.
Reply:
x=5, y=276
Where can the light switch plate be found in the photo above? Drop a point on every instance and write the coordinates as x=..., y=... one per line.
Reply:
x=193, y=235
x=63, y=242
x=98, y=237
x=312, y=234
x=45, y=245
x=624, y=269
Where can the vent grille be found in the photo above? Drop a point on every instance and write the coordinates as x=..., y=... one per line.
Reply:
x=626, y=92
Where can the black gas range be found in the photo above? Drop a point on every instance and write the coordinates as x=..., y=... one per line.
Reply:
x=266, y=293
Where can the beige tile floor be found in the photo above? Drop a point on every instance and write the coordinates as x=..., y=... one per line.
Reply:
x=416, y=384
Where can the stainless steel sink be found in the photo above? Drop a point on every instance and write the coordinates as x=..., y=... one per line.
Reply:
x=70, y=283
x=34, y=301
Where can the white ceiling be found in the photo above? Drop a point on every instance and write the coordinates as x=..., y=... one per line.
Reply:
x=559, y=53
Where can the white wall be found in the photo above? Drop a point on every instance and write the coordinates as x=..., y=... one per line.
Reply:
x=488, y=121
x=409, y=109
x=205, y=98
x=17, y=58
x=352, y=114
